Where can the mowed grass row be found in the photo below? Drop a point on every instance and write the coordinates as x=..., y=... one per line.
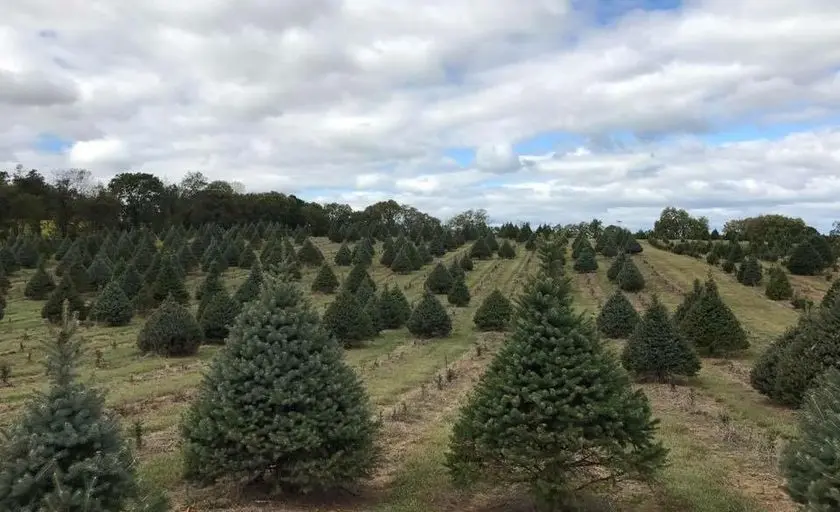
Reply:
x=723, y=437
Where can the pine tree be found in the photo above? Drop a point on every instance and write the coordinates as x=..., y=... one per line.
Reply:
x=429, y=318
x=394, y=309
x=609, y=249
x=586, y=262
x=466, y=262
x=389, y=252
x=630, y=279
x=65, y=291
x=131, y=281
x=424, y=255
x=362, y=253
x=805, y=260
x=144, y=301
x=749, y=273
x=494, y=313
x=280, y=388
x=169, y=282
x=551, y=397
x=309, y=254
x=40, y=285
x=833, y=291
x=218, y=316
x=402, y=263
x=656, y=350
x=618, y=317
x=764, y=375
x=250, y=288
x=65, y=452
x=506, y=251
x=343, y=258
x=171, y=330
x=778, y=285
x=616, y=266
x=480, y=250
x=325, y=281
x=491, y=242
x=247, y=257
x=459, y=292
x=371, y=308
x=78, y=274
x=112, y=307
x=811, y=462
x=689, y=299
x=354, y=279
x=347, y=320
x=99, y=272
x=439, y=280
x=711, y=326
x=4, y=279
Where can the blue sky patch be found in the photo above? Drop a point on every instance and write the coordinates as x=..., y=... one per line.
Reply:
x=463, y=155
x=51, y=143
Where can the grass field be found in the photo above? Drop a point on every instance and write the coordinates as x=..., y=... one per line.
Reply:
x=724, y=437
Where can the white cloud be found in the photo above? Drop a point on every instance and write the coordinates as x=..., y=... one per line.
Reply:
x=367, y=95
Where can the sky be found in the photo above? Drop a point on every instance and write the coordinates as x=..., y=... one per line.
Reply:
x=551, y=111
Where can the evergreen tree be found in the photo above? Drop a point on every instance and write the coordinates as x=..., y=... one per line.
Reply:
x=402, y=262
x=343, y=258
x=480, y=250
x=40, y=285
x=131, y=281
x=439, y=280
x=280, y=389
x=778, y=285
x=4, y=279
x=749, y=273
x=362, y=253
x=171, y=330
x=371, y=308
x=309, y=254
x=77, y=273
x=364, y=292
x=218, y=316
x=811, y=463
x=65, y=291
x=112, y=307
x=689, y=299
x=506, y=251
x=169, y=282
x=491, y=242
x=551, y=397
x=459, y=292
x=394, y=309
x=65, y=452
x=325, y=281
x=466, y=262
x=764, y=375
x=27, y=254
x=429, y=318
x=346, y=319
x=805, y=260
x=656, y=350
x=494, y=313
x=616, y=266
x=8, y=260
x=618, y=317
x=586, y=262
x=630, y=279
x=99, y=272
x=389, y=252
x=831, y=294
x=354, y=279
x=250, y=288
x=424, y=255
x=711, y=326
x=247, y=257
x=609, y=248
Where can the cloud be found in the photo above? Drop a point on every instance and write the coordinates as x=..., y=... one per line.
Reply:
x=364, y=98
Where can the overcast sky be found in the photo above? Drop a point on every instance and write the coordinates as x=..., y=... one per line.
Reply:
x=540, y=110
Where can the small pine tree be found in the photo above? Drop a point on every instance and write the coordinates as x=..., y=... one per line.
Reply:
x=711, y=326
x=749, y=273
x=280, y=388
x=466, y=262
x=764, y=375
x=354, y=279
x=616, y=266
x=394, y=309
x=40, y=285
x=325, y=281
x=586, y=262
x=343, y=258
x=99, y=273
x=494, y=313
x=218, y=316
x=480, y=250
x=112, y=307
x=250, y=288
x=65, y=452
x=778, y=285
x=346, y=319
x=131, y=281
x=656, y=350
x=144, y=301
x=402, y=263
x=630, y=279
x=171, y=330
x=439, y=280
x=247, y=257
x=618, y=317
x=309, y=254
x=429, y=318
x=811, y=462
x=371, y=309
x=491, y=242
x=4, y=279
x=459, y=292
x=689, y=299
x=169, y=281
x=506, y=251
x=362, y=253
x=389, y=252
x=65, y=291
x=831, y=294
x=805, y=260
x=532, y=405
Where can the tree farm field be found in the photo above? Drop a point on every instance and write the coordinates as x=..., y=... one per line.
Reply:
x=724, y=438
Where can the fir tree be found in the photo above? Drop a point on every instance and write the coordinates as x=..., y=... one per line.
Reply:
x=65, y=452
x=131, y=281
x=551, y=397
x=112, y=307
x=8, y=260
x=506, y=251
x=778, y=285
x=831, y=294
x=250, y=288
x=764, y=375
x=389, y=252
x=171, y=330
x=630, y=279
x=169, y=282
x=429, y=318
x=65, y=291
x=656, y=350
x=99, y=272
x=77, y=273
x=439, y=280
x=40, y=285
x=494, y=313
x=144, y=301
x=480, y=250
x=586, y=262
x=309, y=254
x=609, y=249
x=343, y=258
x=364, y=292
x=394, y=309
x=280, y=388
x=805, y=260
x=466, y=262
x=358, y=274
x=459, y=292
x=811, y=462
x=616, y=266
x=749, y=273
x=711, y=326
x=362, y=253
x=325, y=281
x=371, y=308
x=218, y=316
x=491, y=242
x=346, y=319
x=689, y=299
x=424, y=255
x=4, y=279
x=618, y=317
x=247, y=257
